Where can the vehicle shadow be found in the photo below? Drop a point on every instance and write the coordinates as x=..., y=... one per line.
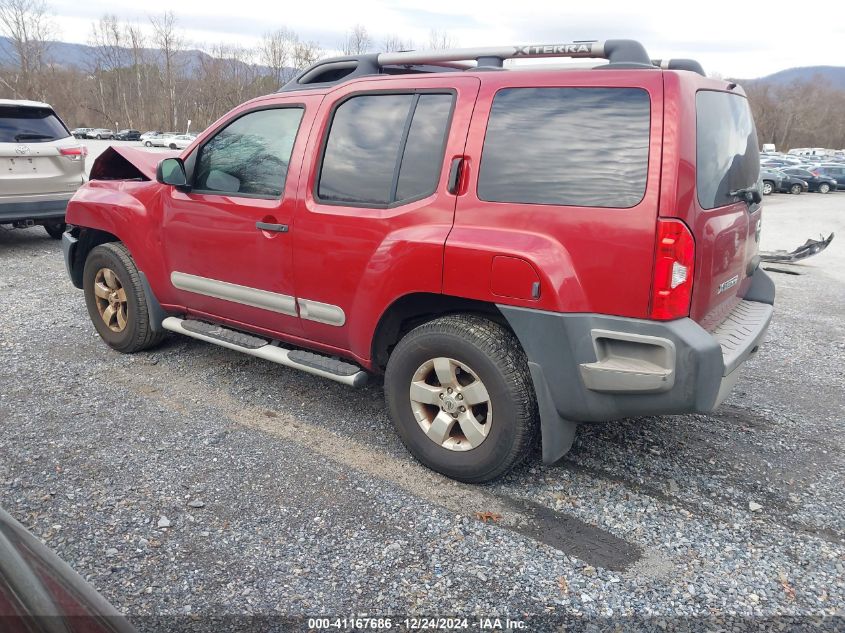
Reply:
x=20, y=239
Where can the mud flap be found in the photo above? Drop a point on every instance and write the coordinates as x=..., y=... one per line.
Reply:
x=557, y=433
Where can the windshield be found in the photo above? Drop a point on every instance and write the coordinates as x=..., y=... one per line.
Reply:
x=727, y=159
x=30, y=125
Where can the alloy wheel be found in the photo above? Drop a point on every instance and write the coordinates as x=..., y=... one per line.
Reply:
x=110, y=296
x=451, y=404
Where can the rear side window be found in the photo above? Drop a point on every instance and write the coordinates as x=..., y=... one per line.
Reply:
x=727, y=158
x=250, y=156
x=30, y=125
x=385, y=149
x=567, y=146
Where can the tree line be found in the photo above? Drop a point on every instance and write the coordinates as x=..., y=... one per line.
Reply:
x=150, y=77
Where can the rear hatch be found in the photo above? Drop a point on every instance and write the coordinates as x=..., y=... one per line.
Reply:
x=37, y=153
x=725, y=226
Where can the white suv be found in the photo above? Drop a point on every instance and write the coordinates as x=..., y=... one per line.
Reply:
x=41, y=166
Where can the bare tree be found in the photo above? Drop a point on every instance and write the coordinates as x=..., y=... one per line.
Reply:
x=170, y=43
x=139, y=72
x=440, y=40
x=305, y=54
x=276, y=51
x=357, y=41
x=393, y=43
x=29, y=27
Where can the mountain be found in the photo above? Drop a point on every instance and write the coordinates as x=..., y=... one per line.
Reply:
x=833, y=75
x=80, y=56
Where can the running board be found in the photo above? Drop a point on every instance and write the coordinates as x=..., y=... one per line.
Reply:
x=309, y=362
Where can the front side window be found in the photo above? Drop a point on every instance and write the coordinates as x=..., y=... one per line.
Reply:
x=384, y=148
x=727, y=158
x=250, y=156
x=567, y=146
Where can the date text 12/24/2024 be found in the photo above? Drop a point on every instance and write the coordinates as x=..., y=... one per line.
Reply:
x=415, y=624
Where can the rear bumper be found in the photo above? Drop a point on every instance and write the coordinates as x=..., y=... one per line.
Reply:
x=593, y=367
x=40, y=207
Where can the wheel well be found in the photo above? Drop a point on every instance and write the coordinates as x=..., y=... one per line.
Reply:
x=413, y=310
x=88, y=239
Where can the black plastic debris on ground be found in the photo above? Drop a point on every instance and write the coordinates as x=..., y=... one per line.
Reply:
x=807, y=249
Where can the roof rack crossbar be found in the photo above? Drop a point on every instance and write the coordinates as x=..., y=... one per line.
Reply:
x=620, y=54
x=618, y=51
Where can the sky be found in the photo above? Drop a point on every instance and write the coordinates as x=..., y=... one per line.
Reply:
x=733, y=38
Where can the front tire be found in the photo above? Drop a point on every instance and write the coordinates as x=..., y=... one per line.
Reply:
x=824, y=188
x=460, y=395
x=115, y=299
x=55, y=228
x=768, y=188
x=99, y=137
x=796, y=189
x=173, y=146
x=147, y=144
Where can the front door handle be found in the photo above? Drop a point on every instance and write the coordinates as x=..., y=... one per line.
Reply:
x=267, y=226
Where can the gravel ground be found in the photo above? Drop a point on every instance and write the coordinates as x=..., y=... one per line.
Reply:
x=192, y=481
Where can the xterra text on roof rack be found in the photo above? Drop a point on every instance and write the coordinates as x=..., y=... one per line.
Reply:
x=516, y=251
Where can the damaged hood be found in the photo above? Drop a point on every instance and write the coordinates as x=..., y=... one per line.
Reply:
x=120, y=162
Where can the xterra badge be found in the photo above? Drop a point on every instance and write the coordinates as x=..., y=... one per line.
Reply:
x=730, y=283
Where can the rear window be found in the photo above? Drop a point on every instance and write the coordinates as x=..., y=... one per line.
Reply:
x=727, y=158
x=30, y=125
x=567, y=146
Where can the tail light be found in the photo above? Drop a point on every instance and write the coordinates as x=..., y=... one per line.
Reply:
x=674, y=259
x=74, y=153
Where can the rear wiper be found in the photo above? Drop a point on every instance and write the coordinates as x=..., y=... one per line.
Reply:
x=750, y=195
x=32, y=137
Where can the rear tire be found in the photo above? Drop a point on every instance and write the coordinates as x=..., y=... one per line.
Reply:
x=500, y=418
x=115, y=299
x=796, y=189
x=824, y=188
x=173, y=146
x=55, y=228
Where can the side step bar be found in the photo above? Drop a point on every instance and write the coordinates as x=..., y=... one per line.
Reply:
x=316, y=364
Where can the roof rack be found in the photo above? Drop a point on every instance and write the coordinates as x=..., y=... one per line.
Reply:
x=620, y=54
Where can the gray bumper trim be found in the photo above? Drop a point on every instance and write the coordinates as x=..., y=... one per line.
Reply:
x=686, y=369
x=42, y=210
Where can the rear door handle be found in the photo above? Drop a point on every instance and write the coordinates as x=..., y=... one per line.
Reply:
x=267, y=226
x=455, y=175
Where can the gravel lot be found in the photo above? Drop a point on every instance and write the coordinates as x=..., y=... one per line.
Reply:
x=194, y=481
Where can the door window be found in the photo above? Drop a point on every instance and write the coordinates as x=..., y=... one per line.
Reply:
x=384, y=149
x=250, y=156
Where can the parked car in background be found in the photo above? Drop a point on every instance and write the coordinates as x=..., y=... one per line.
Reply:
x=159, y=140
x=772, y=180
x=100, y=133
x=792, y=184
x=149, y=134
x=831, y=170
x=81, y=132
x=819, y=183
x=181, y=141
x=41, y=166
x=128, y=135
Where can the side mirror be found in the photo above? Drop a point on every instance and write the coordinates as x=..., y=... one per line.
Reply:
x=171, y=171
x=753, y=197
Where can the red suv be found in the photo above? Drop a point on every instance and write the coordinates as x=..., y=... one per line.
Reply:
x=515, y=250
